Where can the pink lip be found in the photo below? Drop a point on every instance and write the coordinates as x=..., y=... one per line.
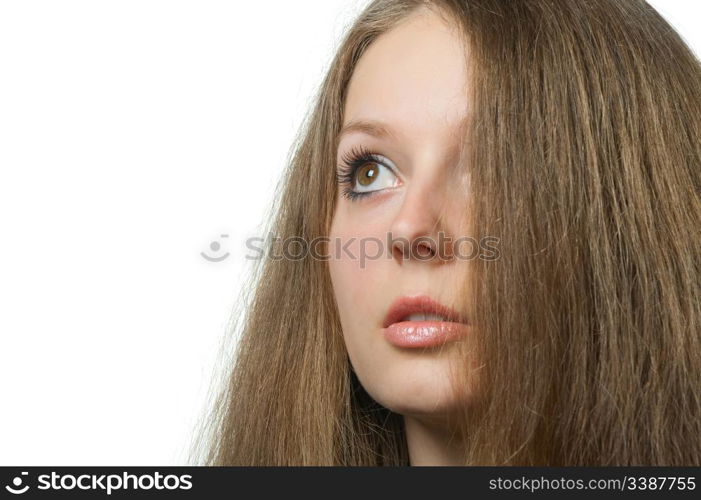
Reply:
x=422, y=333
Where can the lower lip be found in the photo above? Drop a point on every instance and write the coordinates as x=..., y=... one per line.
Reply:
x=423, y=333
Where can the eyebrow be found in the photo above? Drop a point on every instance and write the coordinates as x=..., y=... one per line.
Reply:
x=370, y=127
x=379, y=129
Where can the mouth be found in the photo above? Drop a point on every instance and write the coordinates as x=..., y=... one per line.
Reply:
x=420, y=308
x=420, y=321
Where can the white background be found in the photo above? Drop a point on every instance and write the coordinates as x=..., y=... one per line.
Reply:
x=133, y=133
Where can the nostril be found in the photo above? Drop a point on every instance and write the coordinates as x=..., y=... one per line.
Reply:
x=401, y=250
x=424, y=250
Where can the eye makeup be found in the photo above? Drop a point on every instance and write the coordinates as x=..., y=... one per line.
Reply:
x=357, y=160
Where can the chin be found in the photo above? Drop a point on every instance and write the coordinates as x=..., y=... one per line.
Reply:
x=414, y=392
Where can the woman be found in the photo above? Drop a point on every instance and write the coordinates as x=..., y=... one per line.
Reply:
x=561, y=141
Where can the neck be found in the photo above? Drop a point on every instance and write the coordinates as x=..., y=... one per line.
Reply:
x=432, y=443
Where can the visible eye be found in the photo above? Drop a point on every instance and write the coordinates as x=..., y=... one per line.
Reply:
x=363, y=172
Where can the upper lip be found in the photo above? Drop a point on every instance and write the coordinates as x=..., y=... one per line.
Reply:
x=420, y=304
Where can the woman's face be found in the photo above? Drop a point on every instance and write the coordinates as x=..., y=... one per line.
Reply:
x=411, y=85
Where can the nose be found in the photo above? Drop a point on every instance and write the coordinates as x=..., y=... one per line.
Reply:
x=419, y=232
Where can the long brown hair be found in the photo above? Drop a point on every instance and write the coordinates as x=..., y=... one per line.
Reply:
x=585, y=162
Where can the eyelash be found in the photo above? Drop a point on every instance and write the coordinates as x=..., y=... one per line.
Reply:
x=351, y=162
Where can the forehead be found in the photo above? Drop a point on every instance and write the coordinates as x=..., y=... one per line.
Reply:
x=413, y=79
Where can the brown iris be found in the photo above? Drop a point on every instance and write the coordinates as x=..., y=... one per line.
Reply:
x=366, y=174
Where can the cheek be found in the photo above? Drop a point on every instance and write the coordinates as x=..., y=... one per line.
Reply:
x=359, y=266
x=358, y=256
